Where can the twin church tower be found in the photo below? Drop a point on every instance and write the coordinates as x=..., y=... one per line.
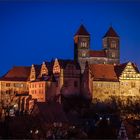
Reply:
x=110, y=54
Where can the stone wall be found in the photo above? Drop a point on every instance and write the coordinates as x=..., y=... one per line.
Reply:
x=103, y=90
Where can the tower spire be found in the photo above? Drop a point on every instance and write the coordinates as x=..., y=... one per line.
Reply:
x=111, y=32
x=82, y=31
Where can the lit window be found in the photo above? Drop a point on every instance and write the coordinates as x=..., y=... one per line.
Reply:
x=133, y=85
x=113, y=44
x=83, y=54
x=113, y=55
x=32, y=92
x=7, y=84
x=84, y=44
x=21, y=85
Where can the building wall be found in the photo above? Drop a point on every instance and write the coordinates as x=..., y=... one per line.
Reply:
x=9, y=89
x=127, y=87
x=104, y=90
x=38, y=90
x=71, y=82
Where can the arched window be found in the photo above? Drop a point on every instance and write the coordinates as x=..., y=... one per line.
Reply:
x=83, y=44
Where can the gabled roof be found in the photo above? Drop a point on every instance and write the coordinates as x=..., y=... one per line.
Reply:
x=120, y=68
x=97, y=53
x=111, y=33
x=17, y=73
x=103, y=72
x=82, y=31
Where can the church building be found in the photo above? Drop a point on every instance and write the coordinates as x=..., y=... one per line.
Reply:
x=97, y=75
x=110, y=54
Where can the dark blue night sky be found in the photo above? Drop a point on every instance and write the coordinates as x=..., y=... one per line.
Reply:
x=31, y=32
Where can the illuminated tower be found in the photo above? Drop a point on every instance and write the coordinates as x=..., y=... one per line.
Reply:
x=111, y=43
x=81, y=46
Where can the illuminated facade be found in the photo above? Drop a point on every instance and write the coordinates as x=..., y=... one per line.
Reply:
x=22, y=86
x=94, y=74
x=106, y=81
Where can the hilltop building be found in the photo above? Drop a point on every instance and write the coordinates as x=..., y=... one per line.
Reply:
x=110, y=54
x=97, y=75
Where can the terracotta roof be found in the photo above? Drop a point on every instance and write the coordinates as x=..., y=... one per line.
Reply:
x=103, y=72
x=97, y=53
x=82, y=31
x=17, y=73
x=111, y=33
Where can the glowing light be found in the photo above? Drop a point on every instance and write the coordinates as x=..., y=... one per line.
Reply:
x=36, y=132
x=100, y=118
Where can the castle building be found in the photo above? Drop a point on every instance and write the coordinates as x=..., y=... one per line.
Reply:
x=97, y=75
x=104, y=81
x=110, y=54
x=21, y=86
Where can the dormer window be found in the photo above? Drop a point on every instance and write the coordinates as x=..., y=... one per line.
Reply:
x=44, y=70
x=32, y=73
x=56, y=67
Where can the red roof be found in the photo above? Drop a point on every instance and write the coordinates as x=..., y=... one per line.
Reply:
x=103, y=72
x=17, y=73
x=82, y=31
x=97, y=53
x=111, y=33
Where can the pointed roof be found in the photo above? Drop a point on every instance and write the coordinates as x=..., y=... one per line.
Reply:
x=111, y=33
x=120, y=68
x=82, y=31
